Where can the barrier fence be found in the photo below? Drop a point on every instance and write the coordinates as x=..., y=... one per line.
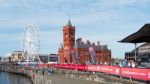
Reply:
x=136, y=73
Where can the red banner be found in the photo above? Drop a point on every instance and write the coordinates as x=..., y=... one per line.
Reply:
x=136, y=73
x=142, y=74
x=106, y=69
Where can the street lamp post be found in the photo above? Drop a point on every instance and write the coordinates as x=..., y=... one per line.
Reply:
x=102, y=56
x=135, y=53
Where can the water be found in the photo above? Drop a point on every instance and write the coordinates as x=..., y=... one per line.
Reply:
x=8, y=78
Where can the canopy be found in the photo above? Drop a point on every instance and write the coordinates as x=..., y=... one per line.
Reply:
x=143, y=35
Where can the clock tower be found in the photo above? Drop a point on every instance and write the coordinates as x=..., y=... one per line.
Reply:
x=68, y=41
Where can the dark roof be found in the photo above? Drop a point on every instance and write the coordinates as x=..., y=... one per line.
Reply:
x=69, y=23
x=142, y=35
x=87, y=45
x=18, y=51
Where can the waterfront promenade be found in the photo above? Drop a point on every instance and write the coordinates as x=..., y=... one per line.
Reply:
x=63, y=76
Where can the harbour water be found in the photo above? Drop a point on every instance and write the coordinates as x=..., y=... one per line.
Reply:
x=8, y=78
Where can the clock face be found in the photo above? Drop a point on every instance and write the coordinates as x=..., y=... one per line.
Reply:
x=66, y=35
x=72, y=37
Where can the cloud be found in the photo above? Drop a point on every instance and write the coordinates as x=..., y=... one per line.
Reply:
x=50, y=41
x=9, y=37
x=82, y=12
x=104, y=20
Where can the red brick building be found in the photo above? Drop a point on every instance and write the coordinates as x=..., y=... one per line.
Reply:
x=80, y=52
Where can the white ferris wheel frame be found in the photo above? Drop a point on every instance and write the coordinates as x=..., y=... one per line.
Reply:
x=31, y=43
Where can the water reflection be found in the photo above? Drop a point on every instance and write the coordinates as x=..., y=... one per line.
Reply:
x=8, y=78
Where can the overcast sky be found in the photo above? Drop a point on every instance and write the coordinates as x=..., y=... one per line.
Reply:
x=107, y=21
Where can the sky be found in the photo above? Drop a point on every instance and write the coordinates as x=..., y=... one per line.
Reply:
x=107, y=21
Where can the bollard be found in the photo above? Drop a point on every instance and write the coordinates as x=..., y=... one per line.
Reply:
x=49, y=82
x=35, y=71
x=42, y=72
x=130, y=78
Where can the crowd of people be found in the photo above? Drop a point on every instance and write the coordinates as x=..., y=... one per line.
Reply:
x=125, y=63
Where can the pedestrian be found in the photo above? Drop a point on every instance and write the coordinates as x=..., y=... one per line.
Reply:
x=129, y=64
x=133, y=64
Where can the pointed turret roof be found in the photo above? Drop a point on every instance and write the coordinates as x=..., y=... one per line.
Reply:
x=61, y=46
x=69, y=23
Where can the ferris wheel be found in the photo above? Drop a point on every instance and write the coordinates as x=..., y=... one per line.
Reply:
x=31, y=43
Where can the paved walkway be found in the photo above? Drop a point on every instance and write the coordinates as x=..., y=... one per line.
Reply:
x=63, y=80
